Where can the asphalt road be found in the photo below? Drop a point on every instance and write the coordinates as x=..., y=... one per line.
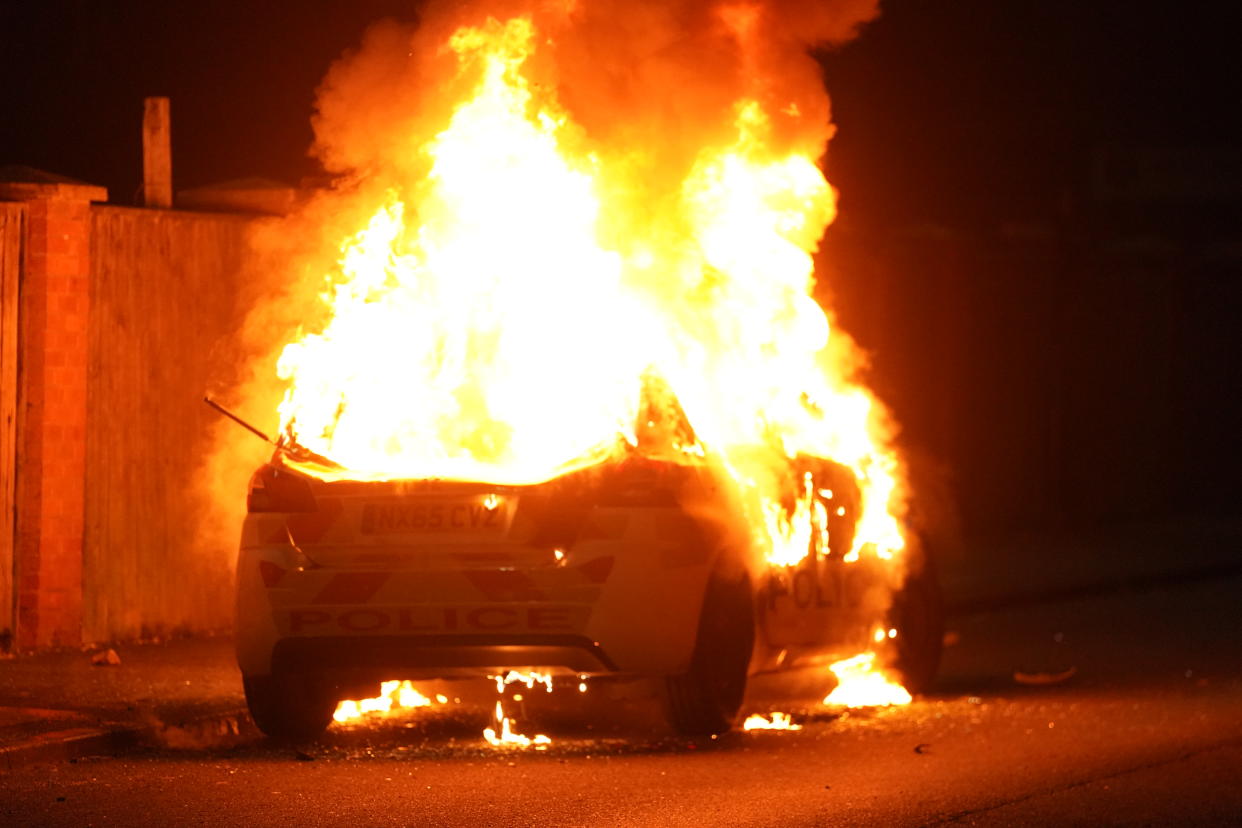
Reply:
x=1147, y=731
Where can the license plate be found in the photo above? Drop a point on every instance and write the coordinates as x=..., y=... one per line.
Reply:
x=433, y=517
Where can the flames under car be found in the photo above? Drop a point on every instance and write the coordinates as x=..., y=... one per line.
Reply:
x=632, y=567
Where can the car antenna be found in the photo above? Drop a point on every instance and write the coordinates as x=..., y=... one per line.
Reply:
x=292, y=448
x=240, y=421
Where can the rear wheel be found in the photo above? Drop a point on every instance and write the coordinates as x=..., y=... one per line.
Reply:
x=706, y=699
x=289, y=708
x=918, y=614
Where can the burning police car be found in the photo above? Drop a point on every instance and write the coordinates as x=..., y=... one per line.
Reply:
x=638, y=566
x=510, y=274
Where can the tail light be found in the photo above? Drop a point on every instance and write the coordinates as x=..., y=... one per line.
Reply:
x=276, y=490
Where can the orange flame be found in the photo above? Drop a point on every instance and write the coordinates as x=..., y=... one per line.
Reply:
x=529, y=679
x=777, y=721
x=861, y=684
x=503, y=734
x=393, y=695
x=508, y=737
x=498, y=318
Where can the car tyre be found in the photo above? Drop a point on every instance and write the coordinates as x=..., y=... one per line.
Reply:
x=918, y=614
x=288, y=709
x=706, y=699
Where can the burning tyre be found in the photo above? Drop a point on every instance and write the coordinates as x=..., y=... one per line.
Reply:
x=918, y=611
x=707, y=697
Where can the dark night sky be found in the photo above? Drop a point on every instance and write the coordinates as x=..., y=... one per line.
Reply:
x=946, y=109
x=998, y=105
x=241, y=76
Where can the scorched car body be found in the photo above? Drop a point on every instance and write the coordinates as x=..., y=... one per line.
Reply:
x=633, y=567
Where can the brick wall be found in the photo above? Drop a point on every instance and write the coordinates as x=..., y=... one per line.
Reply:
x=54, y=311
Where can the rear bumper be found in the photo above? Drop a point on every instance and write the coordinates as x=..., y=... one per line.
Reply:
x=627, y=604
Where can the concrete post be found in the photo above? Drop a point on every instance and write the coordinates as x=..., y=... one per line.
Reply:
x=156, y=153
x=51, y=440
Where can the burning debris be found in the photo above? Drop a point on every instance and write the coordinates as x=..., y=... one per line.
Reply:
x=860, y=684
x=393, y=696
x=507, y=737
x=503, y=733
x=777, y=721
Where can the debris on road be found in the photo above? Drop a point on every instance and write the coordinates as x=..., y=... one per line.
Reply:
x=107, y=658
x=1044, y=678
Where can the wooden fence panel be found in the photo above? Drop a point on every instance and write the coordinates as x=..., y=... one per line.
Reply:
x=164, y=304
x=12, y=221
